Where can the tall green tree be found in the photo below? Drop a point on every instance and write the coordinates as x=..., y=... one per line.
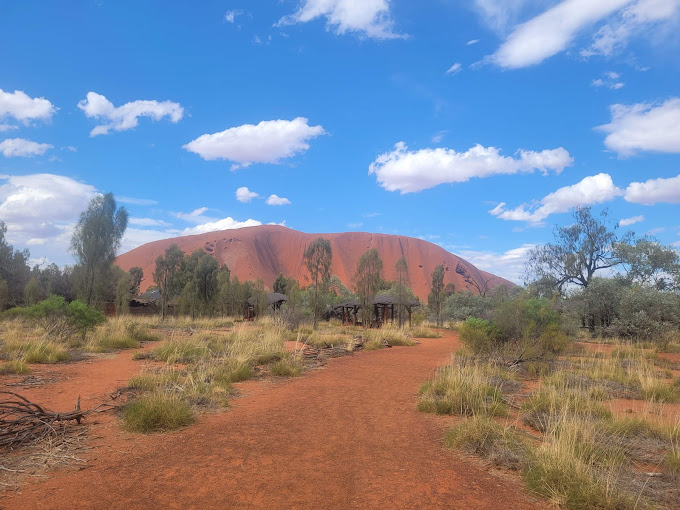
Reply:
x=281, y=284
x=137, y=274
x=96, y=238
x=367, y=278
x=436, y=297
x=578, y=252
x=166, y=275
x=200, y=287
x=402, y=280
x=13, y=268
x=318, y=257
x=647, y=262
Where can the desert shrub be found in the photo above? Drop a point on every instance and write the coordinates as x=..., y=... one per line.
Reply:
x=482, y=436
x=30, y=350
x=153, y=380
x=157, y=411
x=469, y=389
x=58, y=318
x=479, y=336
x=181, y=350
x=417, y=318
x=646, y=314
x=464, y=305
x=672, y=462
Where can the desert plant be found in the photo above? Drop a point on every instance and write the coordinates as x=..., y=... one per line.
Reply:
x=157, y=411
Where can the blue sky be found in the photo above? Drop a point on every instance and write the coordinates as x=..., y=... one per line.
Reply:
x=475, y=125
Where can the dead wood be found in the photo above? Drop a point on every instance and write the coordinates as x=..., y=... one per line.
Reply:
x=24, y=422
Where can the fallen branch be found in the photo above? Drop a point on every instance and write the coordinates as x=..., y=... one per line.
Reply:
x=23, y=421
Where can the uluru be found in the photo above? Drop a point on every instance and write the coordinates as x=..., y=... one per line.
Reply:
x=265, y=251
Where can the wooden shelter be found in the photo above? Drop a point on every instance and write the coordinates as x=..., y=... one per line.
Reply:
x=383, y=310
x=275, y=300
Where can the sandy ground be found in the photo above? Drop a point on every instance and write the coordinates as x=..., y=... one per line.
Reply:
x=345, y=436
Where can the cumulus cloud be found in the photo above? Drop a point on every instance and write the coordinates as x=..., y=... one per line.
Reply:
x=591, y=190
x=244, y=195
x=270, y=141
x=654, y=191
x=411, y=171
x=41, y=209
x=277, y=200
x=20, y=147
x=223, y=224
x=369, y=18
x=126, y=117
x=455, y=68
x=644, y=127
x=636, y=19
x=625, y=222
x=23, y=108
x=551, y=32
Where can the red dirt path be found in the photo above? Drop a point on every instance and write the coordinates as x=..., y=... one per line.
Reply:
x=346, y=436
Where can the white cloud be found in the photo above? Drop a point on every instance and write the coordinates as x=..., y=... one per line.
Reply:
x=223, y=224
x=471, y=42
x=631, y=221
x=644, y=127
x=551, y=32
x=509, y=265
x=455, y=68
x=230, y=16
x=499, y=14
x=126, y=117
x=267, y=142
x=591, y=190
x=135, y=201
x=41, y=210
x=439, y=136
x=408, y=171
x=610, y=79
x=135, y=237
x=19, y=147
x=653, y=191
x=148, y=222
x=7, y=127
x=23, y=108
x=277, y=200
x=244, y=195
x=636, y=19
x=195, y=216
x=370, y=18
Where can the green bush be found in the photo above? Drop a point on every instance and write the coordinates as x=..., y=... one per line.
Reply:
x=479, y=336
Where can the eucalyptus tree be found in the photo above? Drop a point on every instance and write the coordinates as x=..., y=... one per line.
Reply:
x=436, y=297
x=96, y=238
x=367, y=277
x=318, y=257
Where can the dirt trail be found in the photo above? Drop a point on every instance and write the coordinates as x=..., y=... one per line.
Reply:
x=346, y=436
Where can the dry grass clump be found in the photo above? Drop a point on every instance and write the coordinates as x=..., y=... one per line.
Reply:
x=469, y=390
x=22, y=343
x=482, y=436
x=15, y=367
x=389, y=334
x=157, y=411
x=288, y=366
x=424, y=332
x=118, y=333
x=576, y=469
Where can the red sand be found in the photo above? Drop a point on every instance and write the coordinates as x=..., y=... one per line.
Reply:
x=268, y=250
x=346, y=436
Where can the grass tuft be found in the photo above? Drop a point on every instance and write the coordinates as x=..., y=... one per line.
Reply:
x=157, y=412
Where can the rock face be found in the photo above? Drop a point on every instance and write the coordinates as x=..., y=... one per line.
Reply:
x=265, y=251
